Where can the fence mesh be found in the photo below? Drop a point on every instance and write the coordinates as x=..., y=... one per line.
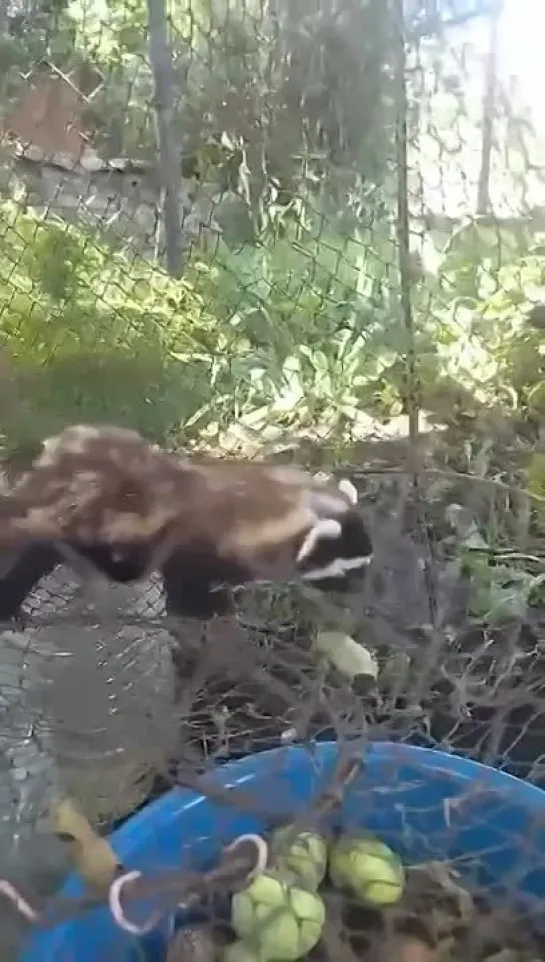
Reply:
x=300, y=232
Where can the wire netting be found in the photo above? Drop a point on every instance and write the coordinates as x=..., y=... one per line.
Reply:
x=308, y=233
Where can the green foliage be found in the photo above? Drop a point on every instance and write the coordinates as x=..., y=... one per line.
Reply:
x=535, y=483
x=303, y=330
x=296, y=331
x=485, y=284
x=502, y=583
x=518, y=347
x=319, y=320
x=92, y=335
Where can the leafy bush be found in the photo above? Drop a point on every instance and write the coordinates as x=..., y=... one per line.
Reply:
x=294, y=332
x=302, y=330
x=318, y=312
x=477, y=304
x=93, y=335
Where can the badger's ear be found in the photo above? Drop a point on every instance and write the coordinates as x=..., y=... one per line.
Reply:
x=347, y=488
x=324, y=528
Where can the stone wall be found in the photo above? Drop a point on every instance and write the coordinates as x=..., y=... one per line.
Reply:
x=120, y=197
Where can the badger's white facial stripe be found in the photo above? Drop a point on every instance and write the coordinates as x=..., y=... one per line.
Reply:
x=337, y=568
x=324, y=528
x=346, y=487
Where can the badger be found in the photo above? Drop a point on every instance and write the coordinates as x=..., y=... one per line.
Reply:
x=207, y=525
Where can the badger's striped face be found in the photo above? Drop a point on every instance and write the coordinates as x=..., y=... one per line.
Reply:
x=338, y=547
x=338, y=557
x=331, y=551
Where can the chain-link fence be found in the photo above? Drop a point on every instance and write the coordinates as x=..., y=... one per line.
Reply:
x=305, y=233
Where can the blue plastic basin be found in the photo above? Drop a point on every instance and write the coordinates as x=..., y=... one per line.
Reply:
x=424, y=803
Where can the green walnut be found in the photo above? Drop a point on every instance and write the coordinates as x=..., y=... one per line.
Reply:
x=283, y=921
x=368, y=868
x=299, y=856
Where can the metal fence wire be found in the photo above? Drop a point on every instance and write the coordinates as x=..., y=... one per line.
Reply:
x=308, y=233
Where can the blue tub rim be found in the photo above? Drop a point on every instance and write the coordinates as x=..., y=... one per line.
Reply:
x=242, y=771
